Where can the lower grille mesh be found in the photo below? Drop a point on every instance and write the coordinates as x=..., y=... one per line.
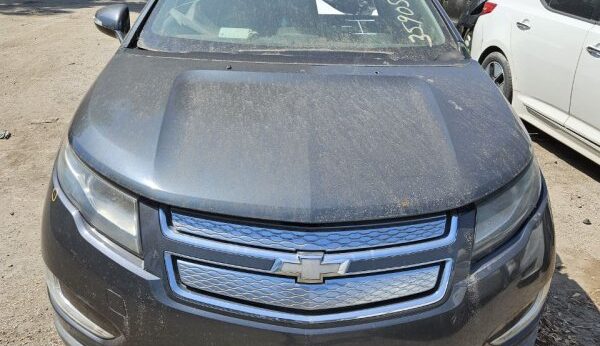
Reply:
x=287, y=293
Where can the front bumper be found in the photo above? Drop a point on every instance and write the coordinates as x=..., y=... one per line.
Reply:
x=484, y=303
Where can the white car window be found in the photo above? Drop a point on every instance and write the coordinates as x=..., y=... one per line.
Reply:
x=580, y=8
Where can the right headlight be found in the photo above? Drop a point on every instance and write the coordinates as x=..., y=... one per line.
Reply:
x=106, y=207
x=501, y=215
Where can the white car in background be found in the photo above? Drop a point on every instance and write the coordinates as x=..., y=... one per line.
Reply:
x=545, y=57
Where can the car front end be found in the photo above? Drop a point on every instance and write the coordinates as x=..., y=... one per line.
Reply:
x=276, y=199
x=217, y=281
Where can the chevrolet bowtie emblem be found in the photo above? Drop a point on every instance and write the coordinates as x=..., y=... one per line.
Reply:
x=310, y=267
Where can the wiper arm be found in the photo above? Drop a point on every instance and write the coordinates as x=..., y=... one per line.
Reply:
x=281, y=51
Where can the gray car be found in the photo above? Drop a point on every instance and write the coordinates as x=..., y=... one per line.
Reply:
x=282, y=172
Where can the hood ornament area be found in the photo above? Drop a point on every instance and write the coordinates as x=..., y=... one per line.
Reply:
x=309, y=268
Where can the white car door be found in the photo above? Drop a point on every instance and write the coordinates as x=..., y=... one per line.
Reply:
x=585, y=104
x=546, y=41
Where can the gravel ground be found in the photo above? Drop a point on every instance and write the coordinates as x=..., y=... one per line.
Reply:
x=50, y=53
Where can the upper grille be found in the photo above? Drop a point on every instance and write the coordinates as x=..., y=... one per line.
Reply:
x=290, y=240
x=287, y=293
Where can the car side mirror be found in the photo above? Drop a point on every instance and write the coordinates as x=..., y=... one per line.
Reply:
x=113, y=20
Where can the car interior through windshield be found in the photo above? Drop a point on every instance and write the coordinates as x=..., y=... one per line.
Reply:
x=237, y=25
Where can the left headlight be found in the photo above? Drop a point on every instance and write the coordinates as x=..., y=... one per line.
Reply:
x=107, y=208
x=500, y=216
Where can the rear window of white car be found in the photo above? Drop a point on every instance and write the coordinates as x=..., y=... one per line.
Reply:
x=234, y=26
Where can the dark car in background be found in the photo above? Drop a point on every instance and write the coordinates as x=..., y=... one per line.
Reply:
x=464, y=14
x=295, y=172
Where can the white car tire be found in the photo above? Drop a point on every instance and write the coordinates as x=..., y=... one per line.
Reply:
x=497, y=67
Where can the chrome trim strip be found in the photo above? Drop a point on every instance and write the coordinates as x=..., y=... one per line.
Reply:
x=539, y=114
x=272, y=255
x=67, y=338
x=64, y=306
x=532, y=313
x=593, y=145
x=586, y=141
x=262, y=313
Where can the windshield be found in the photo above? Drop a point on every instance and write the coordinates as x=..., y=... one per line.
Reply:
x=395, y=28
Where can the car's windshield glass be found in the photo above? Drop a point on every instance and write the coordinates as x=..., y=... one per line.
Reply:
x=402, y=28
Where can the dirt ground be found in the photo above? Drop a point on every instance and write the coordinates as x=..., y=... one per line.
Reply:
x=50, y=53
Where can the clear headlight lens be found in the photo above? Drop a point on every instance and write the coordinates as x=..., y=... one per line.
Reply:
x=500, y=216
x=108, y=209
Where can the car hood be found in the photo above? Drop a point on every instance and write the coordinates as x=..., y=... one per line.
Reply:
x=298, y=143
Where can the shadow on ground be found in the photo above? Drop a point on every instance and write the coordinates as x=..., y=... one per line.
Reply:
x=565, y=153
x=570, y=316
x=50, y=7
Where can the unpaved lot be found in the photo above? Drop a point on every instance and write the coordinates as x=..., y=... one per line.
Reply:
x=50, y=53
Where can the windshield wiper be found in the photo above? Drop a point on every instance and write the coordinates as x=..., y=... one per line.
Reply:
x=283, y=51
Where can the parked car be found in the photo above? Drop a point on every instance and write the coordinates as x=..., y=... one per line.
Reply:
x=295, y=172
x=455, y=8
x=464, y=14
x=545, y=57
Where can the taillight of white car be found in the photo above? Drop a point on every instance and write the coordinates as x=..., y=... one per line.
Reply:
x=488, y=7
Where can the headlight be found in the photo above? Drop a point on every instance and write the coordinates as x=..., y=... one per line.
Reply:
x=107, y=208
x=500, y=216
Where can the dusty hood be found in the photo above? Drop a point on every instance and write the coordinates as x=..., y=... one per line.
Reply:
x=299, y=143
